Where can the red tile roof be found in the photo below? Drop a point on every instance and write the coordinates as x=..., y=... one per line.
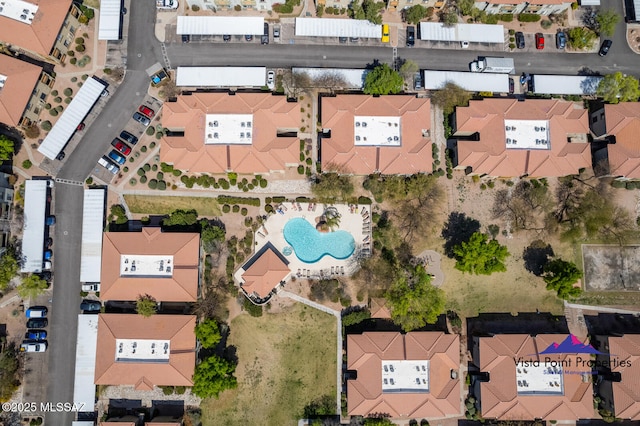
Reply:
x=623, y=121
x=489, y=155
x=267, y=153
x=365, y=353
x=21, y=79
x=178, y=371
x=499, y=398
x=264, y=274
x=626, y=393
x=379, y=309
x=41, y=34
x=340, y=152
x=181, y=286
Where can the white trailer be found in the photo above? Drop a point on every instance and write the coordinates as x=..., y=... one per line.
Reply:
x=494, y=65
x=486, y=82
x=565, y=84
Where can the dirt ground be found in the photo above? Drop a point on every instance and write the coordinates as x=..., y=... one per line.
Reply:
x=286, y=361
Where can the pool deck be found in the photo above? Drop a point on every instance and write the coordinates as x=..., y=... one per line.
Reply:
x=355, y=219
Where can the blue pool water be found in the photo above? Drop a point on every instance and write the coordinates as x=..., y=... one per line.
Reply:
x=310, y=245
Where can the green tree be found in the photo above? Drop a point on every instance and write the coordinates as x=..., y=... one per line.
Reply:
x=9, y=367
x=414, y=301
x=415, y=14
x=8, y=268
x=449, y=17
x=607, y=21
x=560, y=276
x=449, y=97
x=181, y=218
x=323, y=406
x=212, y=376
x=383, y=80
x=32, y=286
x=208, y=333
x=408, y=67
x=211, y=236
x=146, y=305
x=119, y=214
x=332, y=187
x=356, y=11
x=6, y=148
x=480, y=255
x=377, y=421
x=372, y=11
x=581, y=38
x=465, y=6
x=617, y=87
x=355, y=317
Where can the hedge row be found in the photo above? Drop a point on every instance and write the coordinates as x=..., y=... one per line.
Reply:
x=226, y=199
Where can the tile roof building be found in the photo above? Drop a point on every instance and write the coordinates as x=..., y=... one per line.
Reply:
x=263, y=272
x=24, y=88
x=222, y=132
x=42, y=28
x=409, y=375
x=145, y=352
x=363, y=134
x=558, y=387
x=540, y=7
x=379, y=309
x=510, y=138
x=618, y=126
x=620, y=388
x=163, y=265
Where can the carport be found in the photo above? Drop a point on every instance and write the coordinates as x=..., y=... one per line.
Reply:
x=220, y=25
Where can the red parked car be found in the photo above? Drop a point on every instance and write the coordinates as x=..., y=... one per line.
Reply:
x=539, y=41
x=146, y=111
x=121, y=146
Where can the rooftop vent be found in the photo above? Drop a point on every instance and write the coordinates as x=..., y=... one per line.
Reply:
x=357, y=124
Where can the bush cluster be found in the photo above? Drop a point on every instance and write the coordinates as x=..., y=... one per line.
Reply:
x=528, y=17
x=226, y=199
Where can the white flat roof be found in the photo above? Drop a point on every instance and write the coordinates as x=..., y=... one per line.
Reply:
x=142, y=350
x=92, y=227
x=141, y=265
x=540, y=380
x=221, y=76
x=471, y=81
x=84, y=389
x=73, y=115
x=330, y=27
x=404, y=376
x=18, y=10
x=476, y=33
x=353, y=78
x=223, y=129
x=565, y=84
x=527, y=134
x=220, y=25
x=109, y=20
x=35, y=203
x=376, y=131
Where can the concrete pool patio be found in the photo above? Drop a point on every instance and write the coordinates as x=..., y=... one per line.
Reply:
x=354, y=219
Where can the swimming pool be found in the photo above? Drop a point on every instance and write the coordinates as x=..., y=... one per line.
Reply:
x=310, y=245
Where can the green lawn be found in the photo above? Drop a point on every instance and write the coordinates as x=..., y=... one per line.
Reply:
x=286, y=360
x=164, y=204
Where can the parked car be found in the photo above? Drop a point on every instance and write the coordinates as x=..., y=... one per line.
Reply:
x=90, y=306
x=464, y=44
x=417, y=81
x=604, y=49
x=271, y=78
x=50, y=220
x=520, y=40
x=146, y=111
x=539, y=41
x=385, y=33
x=104, y=93
x=141, y=119
x=80, y=127
x=37, y=323
x=46, y=265
x=265, y=34
x=117, y=157
x=121, y=146
x=128, y=137
x=91, y=287
x=186, y=38
x=33, y=346
x=342, y=40
x=276, y=32
x=226, y=38
x=108, y=164
x=61, y=156
x=512, y=85
x=35, y=334
x=354, y=39
x=561, y=40
x=45, y=275
x=411, y=36
x=48, y=254
x=49, y=242
x=37, y=312
x=248, y=37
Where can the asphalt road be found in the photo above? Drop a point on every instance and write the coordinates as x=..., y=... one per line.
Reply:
x=143, y=50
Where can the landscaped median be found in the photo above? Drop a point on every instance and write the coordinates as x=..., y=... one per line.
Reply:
x=152, y=204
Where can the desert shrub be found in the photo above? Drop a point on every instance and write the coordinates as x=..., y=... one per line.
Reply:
x=528, y=17
x=54, y=112
x=237, y=8
x=146, y=167
x=68, y=91
x=226, y=208
x=74, y=79
x=153, y=184
x=235, y=208
x=46, y=125
x=263, y=183
x=54, y=93
x=67, y=101
x=150, y=131
x=195, y=8
x=244, y=211
x=268, y=208
x=301, y=169
x=162, y=185
x=152, y=145
x=57, y=99
x=143, y=148
x=141, y=172
x=133, y=181
x=154, y=167
x=143, y=179
x=26, y=164
x=73, y=61
x=160, y=175
x=546, y=24
x=79, y=40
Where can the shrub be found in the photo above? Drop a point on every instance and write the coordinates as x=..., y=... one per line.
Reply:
x=154, y=167
x=195, y=8
x=133, y=181
x=46, y=125
x=68, y=91
x=153, y=184
x=528, y=17
x=159, y=135
x=162, y=185
x=364, y=200
x=226, y=199
x=74, y=79
x=57, y=99
x=176, y=172
x=152, y=145
x=237, y=8
x=67, y=101
x=512, y=46
x=141, y=172
x=143, y=179
x=147, y=167
x=263, y=183
x=53, y=112
x=244, y=211
x=226, y=208
x=125, y=169
x=150, y=131
x=59, y=108
x=506, y=17
x=143, y=148
x=618, y=184
x=47, y=106
x=235, y=208
x=160, y=175
x=73, y=61
x=79, y=40
x=26, y=164
x=268, y=208
x=546, y=24
x=84, y=76
x=300, y=169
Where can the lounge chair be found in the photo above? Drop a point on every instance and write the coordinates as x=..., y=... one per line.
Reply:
x=342, y=270
x=332, y=270
x=261, y=234
x=298, y=274
x=308, y=273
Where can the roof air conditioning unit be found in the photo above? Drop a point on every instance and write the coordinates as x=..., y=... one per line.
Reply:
x=248, y=124
x=242, y=124
x=395, y=138
x=364, y=124
x=357, y=124
x=357, y=138
x=542, y=129
x=508, y=128
x=248, y=134
x=215, y=124
x=215, y=136
x=242, y=134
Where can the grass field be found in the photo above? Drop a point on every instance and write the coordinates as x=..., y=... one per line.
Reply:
x=149, y=204
x=286, y=360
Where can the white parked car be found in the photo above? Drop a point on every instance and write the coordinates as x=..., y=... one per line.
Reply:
x=464, y=44
x=271, y=80
x=33, y=346
x=167, y=4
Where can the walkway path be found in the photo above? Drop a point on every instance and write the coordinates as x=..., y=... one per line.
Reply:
x=432, y=265
x=337, y=314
